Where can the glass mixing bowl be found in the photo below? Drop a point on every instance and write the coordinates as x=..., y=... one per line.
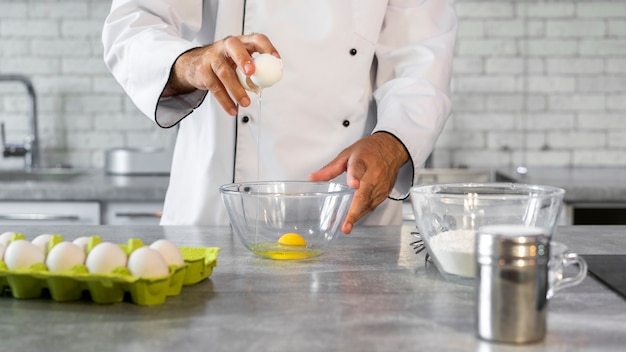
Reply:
x=286, y=219
x=448, y=216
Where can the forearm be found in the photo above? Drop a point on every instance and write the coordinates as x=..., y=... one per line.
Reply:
x=393, y=148
x=177, y=83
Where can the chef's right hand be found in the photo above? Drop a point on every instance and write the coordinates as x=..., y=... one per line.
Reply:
x=212, y=68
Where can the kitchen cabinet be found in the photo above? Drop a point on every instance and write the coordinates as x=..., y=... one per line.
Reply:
x=90, y=198
x=49, y=213
x=132, y=213
x=79, y=213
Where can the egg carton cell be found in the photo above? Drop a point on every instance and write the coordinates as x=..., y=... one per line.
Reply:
x=107, y=288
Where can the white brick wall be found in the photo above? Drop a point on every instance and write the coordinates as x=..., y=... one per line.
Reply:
x=542, y=82
x=82, y=110
x=536, y=82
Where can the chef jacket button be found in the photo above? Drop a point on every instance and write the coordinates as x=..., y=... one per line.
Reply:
x=353, y=51
x=346, y=123
x=245, y=119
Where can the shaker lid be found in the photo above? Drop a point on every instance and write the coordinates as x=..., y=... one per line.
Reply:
x=512, y=242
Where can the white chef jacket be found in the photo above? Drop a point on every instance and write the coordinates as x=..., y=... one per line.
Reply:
x=351, y=68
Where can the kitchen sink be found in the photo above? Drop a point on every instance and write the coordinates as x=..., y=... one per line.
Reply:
x=40, y=174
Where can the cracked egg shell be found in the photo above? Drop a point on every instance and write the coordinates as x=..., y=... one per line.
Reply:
x=268, y=71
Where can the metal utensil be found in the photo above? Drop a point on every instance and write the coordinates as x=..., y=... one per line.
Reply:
x=418, y=245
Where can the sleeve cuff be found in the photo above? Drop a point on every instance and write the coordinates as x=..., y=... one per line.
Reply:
x=170, y=110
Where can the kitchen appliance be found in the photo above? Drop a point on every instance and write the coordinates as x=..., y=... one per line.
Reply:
x=138, y=161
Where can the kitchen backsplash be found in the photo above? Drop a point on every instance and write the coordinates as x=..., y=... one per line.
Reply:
x=535, y=83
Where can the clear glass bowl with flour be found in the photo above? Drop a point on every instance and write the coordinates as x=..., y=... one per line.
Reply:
x=448, y=216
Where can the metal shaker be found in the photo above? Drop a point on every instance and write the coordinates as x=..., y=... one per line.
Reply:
x=511, y=283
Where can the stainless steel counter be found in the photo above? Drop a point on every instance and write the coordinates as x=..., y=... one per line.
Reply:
x=90, y=185
x=581, y=184
x=369, y=293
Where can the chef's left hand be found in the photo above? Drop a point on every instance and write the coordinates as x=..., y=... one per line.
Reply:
x=372, y=165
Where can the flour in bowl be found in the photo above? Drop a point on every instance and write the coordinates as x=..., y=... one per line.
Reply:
x=454, y=251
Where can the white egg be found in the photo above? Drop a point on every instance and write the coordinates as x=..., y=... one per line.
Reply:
x=82, y=242
x=22, y=254
x=268, y=71
x=243, y=79
x=169, y=251
x=5, y=238
x=147, y=262
x=42, y=241
x=64, y=256
x=105, y=257
x=2, y=248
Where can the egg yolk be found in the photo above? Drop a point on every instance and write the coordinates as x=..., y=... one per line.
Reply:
x=292, y=239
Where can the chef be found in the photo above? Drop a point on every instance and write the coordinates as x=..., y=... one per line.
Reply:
x=363, y=97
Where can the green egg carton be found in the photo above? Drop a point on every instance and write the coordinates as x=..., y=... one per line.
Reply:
x=113, y=287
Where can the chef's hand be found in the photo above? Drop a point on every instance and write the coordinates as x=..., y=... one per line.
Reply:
x=212, y=68
x=372, y=165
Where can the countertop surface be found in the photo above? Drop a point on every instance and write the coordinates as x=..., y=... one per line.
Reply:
x=582, y=185
x=370, y=292
x=90, y=185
